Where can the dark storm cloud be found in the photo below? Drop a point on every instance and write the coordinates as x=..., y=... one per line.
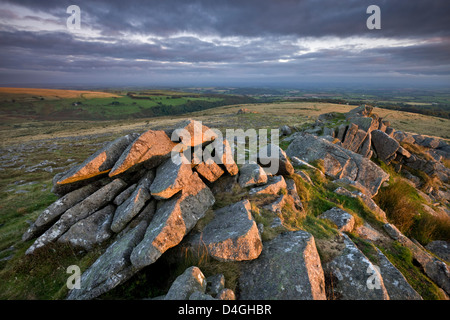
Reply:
x=224, y=39
x=258, y=17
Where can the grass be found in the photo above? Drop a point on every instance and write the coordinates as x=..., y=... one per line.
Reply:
x=41, y=276
x=403, y=206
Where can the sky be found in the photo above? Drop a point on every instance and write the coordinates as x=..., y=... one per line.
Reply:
x=225, y=43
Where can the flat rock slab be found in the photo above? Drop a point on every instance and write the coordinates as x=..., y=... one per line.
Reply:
x=251, y=174
x=150, y=148
x=355, y=277
x=91, y=204
x=91, y=231
x=171, y=177
x=100, y=162
x=172, y=221
x=232, y=235
x=111, y=268
x=342, y=219
x=288, y=268
x=192, y=280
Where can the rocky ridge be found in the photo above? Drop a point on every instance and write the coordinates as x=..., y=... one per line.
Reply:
x=135, y=201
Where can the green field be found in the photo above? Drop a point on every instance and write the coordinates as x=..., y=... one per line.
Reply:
x=48, y=105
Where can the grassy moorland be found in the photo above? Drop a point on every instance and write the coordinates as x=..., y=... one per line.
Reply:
x=35, y=148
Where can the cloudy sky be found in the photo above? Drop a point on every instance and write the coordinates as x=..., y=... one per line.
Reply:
x=225, y=42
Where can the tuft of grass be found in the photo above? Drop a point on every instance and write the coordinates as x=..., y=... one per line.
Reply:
x=401, y=203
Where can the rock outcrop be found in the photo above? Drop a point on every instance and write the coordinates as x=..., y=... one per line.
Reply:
x=143, y=194
x=289, y=268
x=338, y=162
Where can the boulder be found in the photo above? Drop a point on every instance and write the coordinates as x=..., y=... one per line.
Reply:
x=111, y=269
x=193, y=133
x=209, y=170
x=361, y=111
x=91, y=231
x=342, y=219
x=274, y=185
x=394, y=281
x=251, y=174
x=338, y=162
x=83, y=209
x=288, y=268
x=133, y=205
x=440, y=248
x=406, y=137
x=172, y=221
x=150, y=149
x=355, y=277
x=273, y=157
x=100, y=162
x=186, y=284
x=57, y=208
x=171, y=177
x=232, y=235
x=366, y=124
x=384, y=145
